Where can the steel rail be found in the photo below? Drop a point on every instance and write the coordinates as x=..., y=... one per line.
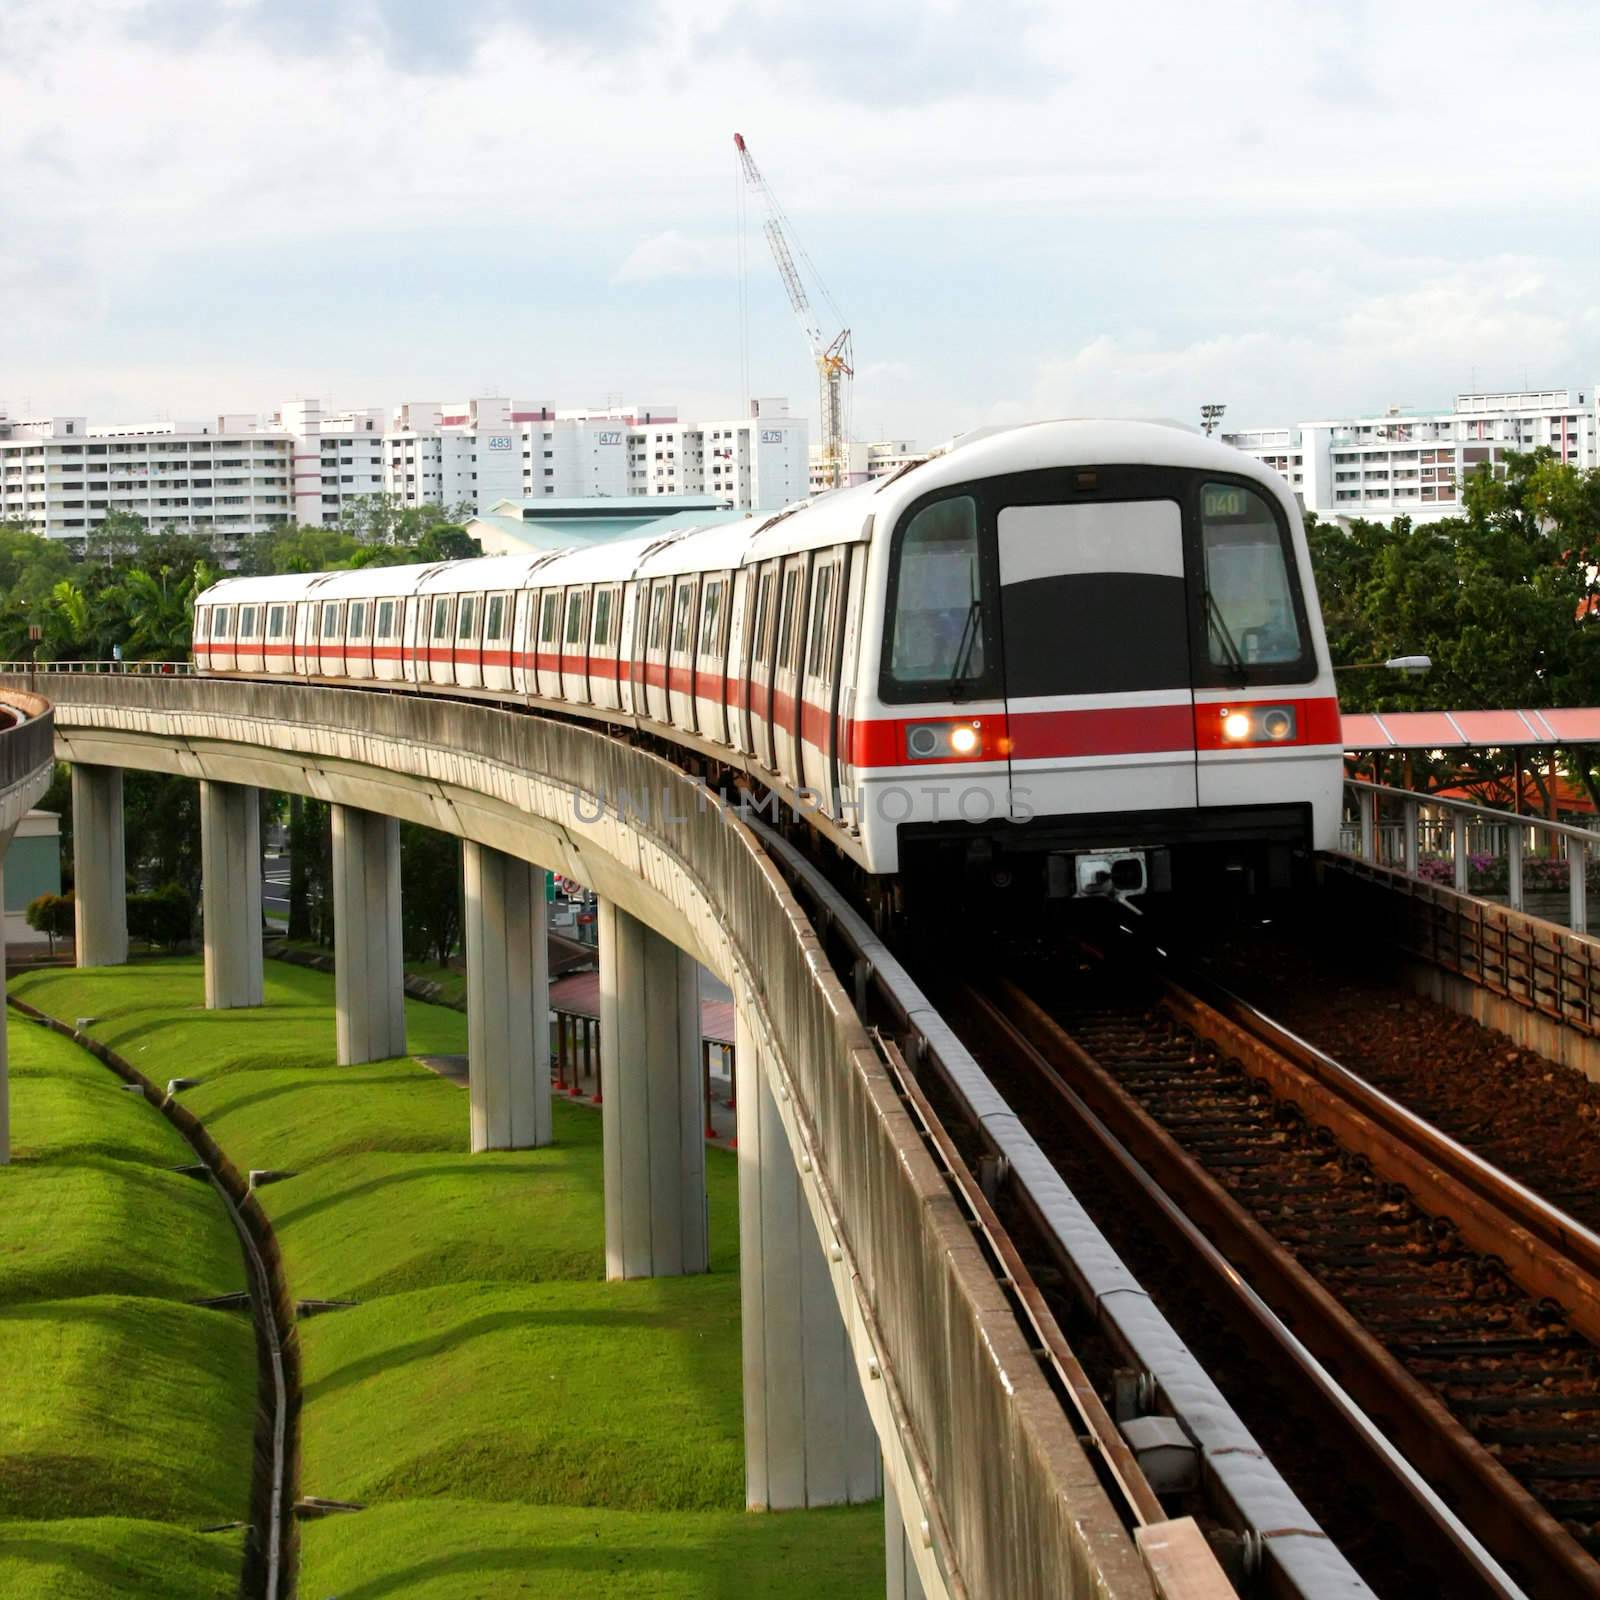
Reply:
x=1550, y=1253
x=1166, y=1181
x=1246, y=1491
x=1494, y=1215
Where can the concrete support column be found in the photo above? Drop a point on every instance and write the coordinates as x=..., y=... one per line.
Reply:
x=902, y=1581
x=230, y=866
x=808, y=1439
x=508, y=1001
x=99, y=867
x=655, y=1158
x=369, y=981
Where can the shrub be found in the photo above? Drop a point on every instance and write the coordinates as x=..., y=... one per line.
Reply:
x=163, y=916
x=52, y=914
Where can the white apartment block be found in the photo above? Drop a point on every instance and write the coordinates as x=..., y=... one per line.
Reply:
x=237, y=475
x=1415, y=463
x=866, y=459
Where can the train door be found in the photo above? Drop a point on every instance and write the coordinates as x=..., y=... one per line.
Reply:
x=849, y=677
x=680, y=658
x=300, y=637
x=786, y=669
x=495, y=672
x=525, y=612
x=330, y=640
x=222, y=650
x=820, y=678
x=413, y=640
x=760, y=678
x=434, y=648
x=710, y=661
x=469, y=642
x=574, y=647
x=358, y=639
x=387, y=619
x=1094, y=639
x=740, y=625
x=280, y=638
x=604, y=634
x=655, y=651
x=630, y=672
x=547, y=647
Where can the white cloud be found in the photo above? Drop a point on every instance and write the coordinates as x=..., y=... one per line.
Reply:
x=678, y=255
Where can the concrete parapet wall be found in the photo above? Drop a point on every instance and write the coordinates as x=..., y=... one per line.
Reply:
x=999, y=1498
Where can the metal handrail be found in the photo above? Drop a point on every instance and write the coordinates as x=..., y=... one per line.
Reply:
x=1578, y=842
x=166, y=669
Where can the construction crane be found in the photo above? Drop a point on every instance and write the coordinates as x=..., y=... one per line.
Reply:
x=833, y=356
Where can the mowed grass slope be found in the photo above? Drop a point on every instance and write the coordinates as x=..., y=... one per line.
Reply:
x=514, y=1423
x=126, y=1415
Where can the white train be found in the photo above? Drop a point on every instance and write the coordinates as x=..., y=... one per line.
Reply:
x=1083, y=655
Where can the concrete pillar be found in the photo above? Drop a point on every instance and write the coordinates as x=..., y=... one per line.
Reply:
x=808, y=1439
x=100, y=874
x=655, y=1157
x=508, y=1001
x=902, y=1581
x=230, y=867
x=369, y=980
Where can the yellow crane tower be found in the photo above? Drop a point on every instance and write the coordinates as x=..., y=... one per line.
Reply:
x=832, y=356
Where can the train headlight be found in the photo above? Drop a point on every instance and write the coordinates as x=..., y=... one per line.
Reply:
x=1259, y=725
x=944, y=741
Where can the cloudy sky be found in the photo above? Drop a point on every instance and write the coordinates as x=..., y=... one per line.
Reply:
x=1023, y=209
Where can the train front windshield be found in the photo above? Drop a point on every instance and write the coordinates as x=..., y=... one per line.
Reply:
x=1249, y=594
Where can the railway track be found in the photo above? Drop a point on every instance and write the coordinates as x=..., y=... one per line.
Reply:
x=1459, y=1310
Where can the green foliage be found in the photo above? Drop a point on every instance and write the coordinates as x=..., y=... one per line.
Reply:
x=52, y=914
x=163, y=916
x=1496, y=597
x=430, y=892
x=127, y=1413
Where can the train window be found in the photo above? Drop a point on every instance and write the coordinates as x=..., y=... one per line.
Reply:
x=763, y=613
x=330, y=619
x=711, y=618
x=938, y=624
x=821, y=622
x=575, y=617
x=658, y=616
x=547, y=618
x=247, y=622
x=441, y=617
x=385, y=619
x=1250, y=599
x=219, y=623
x=494, y=620
x=358, y=619
x=786, y=610
x=602, y=616
x=275, y=621
x=683, y=618
x=466, y=614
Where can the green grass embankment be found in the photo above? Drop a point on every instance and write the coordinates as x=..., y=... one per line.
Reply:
x=514, y=1423
x=126, y=1414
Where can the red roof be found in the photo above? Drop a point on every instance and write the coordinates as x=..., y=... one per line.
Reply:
x=580, y=996
x=1468, y=730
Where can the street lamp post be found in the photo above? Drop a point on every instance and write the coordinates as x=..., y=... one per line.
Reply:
x=1210, y=416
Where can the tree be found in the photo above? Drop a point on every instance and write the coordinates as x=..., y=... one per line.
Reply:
x=430, y=896
x=53, y=915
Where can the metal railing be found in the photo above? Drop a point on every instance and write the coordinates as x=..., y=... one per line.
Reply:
x=159, y=669
x=1410, y=832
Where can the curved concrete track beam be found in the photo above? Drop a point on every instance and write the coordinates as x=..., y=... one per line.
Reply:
x=997, y=1495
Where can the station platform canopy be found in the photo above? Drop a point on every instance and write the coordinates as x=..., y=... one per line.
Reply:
x=1469, y=730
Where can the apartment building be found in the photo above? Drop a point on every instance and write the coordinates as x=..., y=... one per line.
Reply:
x=236, y=475
x=1415, y=463
x=866, y=459
x=60, y=477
